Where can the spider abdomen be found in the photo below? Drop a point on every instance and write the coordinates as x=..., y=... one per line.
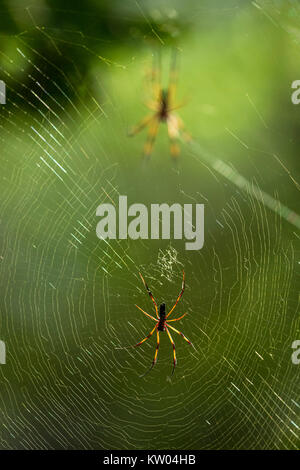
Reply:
x=162, y=317
x=163, y=106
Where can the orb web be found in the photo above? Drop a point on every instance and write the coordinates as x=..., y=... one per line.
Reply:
x=68, y=299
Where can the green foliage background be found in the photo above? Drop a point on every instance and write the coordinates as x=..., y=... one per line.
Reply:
x=75, y=77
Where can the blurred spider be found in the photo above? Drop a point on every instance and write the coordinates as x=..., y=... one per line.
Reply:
x=162, y=324
x=163, y=105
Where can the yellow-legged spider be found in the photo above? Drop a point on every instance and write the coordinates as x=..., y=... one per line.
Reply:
x=163, y=105
x=162, y=324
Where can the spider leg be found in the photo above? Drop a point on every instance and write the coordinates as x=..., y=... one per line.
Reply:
x=155, y=355
x=150, y=316
x=153, y=128
x=181, y=334
x=141, y=342
x=174, y=351
x=178, y=106
x=186, y=135
x=150, y=294
x=145, y=339
x=180, y=295
x=173, y=77
x=141, y=125
x=156, y=76
x=173, y=132
x=179, y=318
x=153, y=105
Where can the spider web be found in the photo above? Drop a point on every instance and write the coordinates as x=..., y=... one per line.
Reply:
x=68, y=299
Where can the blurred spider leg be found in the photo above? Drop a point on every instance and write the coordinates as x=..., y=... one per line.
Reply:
x=140, y=126
x=150, y=294
x=173, y=77
x=153, y=105
x=180, y=295
x=174, y=351
x=150, y=316
x=185, y=135
x=155, y=356
x=153, y=128
x=176, y=319
x=173, y=133
x=156, y=76
x=181, y=334
x=178, y=106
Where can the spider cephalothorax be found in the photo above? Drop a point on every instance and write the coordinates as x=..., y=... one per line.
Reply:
x=162, y=323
